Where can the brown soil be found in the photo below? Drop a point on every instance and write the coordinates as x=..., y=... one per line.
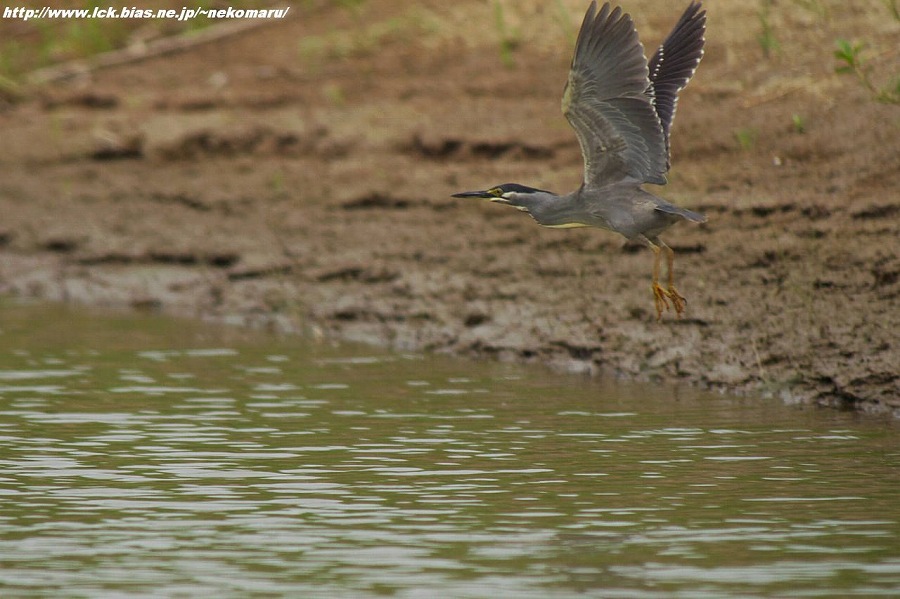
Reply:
x=299, y=175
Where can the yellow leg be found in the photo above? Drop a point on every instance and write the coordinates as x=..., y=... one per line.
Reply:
x=659, y=294
x=662, y=297
x=678, y=301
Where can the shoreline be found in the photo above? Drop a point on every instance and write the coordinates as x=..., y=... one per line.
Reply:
x=237, y=181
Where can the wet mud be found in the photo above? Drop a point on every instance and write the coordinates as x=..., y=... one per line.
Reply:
x=297, y=176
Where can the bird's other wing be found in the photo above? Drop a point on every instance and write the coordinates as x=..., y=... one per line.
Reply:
x=674, y=63
x=607, y=103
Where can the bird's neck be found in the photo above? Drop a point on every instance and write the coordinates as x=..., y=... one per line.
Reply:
x=558, y=211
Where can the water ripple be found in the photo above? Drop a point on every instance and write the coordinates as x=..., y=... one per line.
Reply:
x=308, y=471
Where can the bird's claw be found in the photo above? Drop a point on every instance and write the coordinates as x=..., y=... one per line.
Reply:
x=659, y=298
x=662, y=297
x=678, y=301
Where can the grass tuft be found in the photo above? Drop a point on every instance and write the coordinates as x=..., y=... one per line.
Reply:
x=509, y=37
x=851, y=62
x=746, y=138
x=766, y=38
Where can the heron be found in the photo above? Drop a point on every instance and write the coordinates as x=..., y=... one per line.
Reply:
x=621, y=107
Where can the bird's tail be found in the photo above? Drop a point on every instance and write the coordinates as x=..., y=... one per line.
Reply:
x=690, y=215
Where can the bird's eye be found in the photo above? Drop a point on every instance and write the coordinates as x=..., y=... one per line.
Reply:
x=495, y=191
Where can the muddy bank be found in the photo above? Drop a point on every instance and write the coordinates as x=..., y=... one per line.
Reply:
x=299, y=175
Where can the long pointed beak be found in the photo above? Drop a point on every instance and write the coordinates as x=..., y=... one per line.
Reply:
x=474, y=194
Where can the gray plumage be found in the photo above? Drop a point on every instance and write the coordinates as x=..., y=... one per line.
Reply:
x=621, y=108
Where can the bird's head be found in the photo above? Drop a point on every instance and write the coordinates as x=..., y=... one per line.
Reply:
x=520, y=196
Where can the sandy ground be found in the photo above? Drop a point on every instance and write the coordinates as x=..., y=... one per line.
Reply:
x=298, y=176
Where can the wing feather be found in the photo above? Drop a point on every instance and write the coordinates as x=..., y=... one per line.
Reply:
x=674, y=63
x=607, y=103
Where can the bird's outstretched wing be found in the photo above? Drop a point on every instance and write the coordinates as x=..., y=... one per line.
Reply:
x=607, y=102
x=674, y=63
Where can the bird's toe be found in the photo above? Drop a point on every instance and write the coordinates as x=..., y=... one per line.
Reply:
x=660, y=296
x=678, y=301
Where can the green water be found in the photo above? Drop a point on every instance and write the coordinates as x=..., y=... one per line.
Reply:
x=161, y=458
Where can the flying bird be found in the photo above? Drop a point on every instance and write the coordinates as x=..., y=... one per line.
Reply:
x=621, y=107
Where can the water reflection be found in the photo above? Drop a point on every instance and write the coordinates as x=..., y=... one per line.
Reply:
x=150, y=457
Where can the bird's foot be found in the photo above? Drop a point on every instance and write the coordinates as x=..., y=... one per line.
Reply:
x=678, y=301
x=662, y=297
